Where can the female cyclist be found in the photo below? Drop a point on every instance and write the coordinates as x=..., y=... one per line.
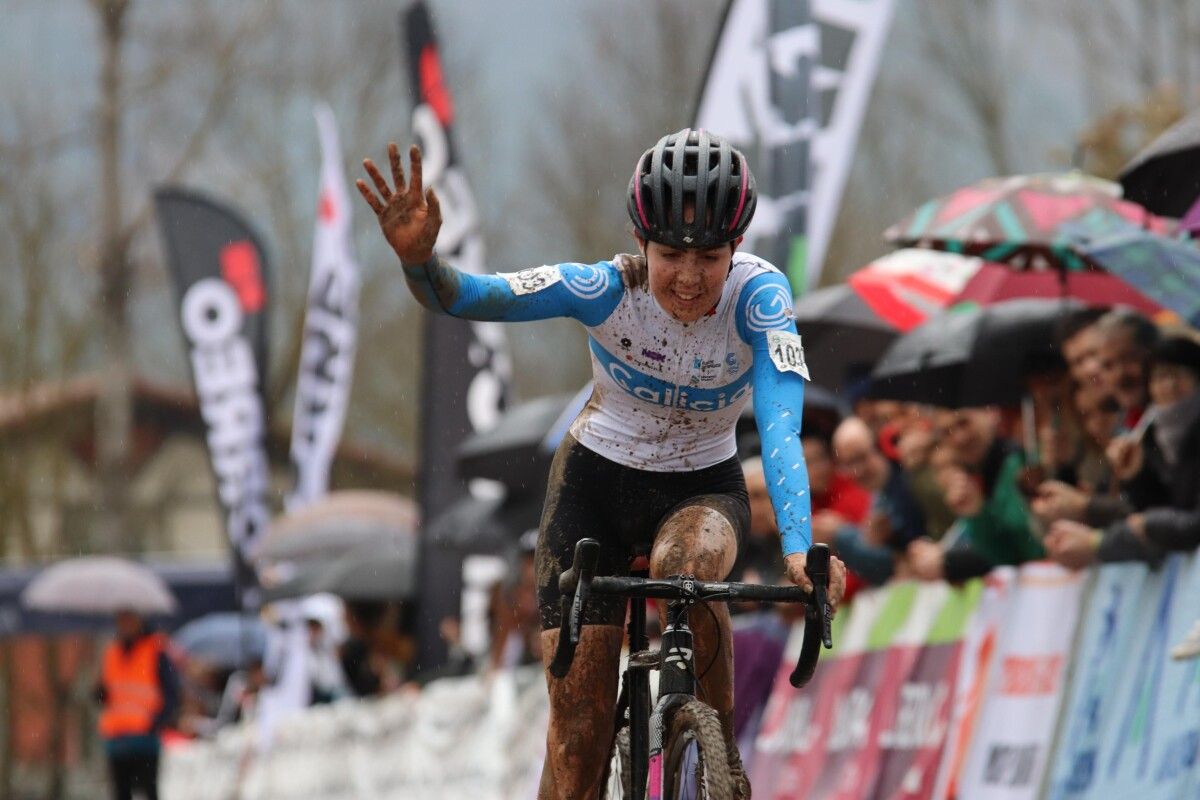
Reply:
x=680, y=336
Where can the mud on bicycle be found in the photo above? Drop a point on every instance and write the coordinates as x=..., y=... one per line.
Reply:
x=675, y=747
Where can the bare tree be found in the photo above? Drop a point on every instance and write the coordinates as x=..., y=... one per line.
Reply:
x=114, y=408
x=962, y=47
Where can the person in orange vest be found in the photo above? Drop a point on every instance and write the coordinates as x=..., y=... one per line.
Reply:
x=139, y=691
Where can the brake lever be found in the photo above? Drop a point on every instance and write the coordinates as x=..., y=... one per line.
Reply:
x=817, y=567
x=574, y=585
x=818, y=616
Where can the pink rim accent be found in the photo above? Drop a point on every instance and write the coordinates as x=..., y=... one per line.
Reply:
x=741, y=198
x=637, y=196
x=654, y=778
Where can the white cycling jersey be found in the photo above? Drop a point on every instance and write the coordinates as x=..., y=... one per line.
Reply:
x=667, y=393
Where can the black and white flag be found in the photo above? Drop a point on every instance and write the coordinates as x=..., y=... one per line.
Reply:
x=789, y=81
x=219, y=267
x=330, y=329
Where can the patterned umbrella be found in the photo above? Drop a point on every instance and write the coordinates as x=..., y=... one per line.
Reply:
x=995, y=283
x=854, y=322
x=1165, y=270
x=1019, y=219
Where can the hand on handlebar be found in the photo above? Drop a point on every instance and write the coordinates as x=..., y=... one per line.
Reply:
x=796, y=563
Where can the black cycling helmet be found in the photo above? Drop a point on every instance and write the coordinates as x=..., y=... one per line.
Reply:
x=696, y=167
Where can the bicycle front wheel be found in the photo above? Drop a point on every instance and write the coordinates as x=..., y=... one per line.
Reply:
x=618, y=783
x=696, y=763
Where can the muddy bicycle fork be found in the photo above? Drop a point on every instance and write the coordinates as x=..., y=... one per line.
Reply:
x=676, y=686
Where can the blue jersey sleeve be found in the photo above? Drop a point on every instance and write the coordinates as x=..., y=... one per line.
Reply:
x=764, y=309
x=586, y=292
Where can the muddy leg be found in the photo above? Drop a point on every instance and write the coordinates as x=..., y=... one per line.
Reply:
x=581, y=714
x=699, y=541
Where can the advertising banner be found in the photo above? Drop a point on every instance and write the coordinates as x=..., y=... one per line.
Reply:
x=873, y=721
x=1135, y=712
x=975, y=665
x=1010, y=747
x=330, y=329
x=466, y=372
x=219, y=270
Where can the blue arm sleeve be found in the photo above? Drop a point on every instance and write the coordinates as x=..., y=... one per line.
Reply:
x=586, y=292
x=778, y=409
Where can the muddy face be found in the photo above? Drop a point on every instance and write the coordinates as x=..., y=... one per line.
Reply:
x=687, y=283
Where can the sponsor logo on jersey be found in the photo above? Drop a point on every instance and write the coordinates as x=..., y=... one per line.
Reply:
x=659, y=392
x=706, y=370
x=586, y=281
x=768, y=307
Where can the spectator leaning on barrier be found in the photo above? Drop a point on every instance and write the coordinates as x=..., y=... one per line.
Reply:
x=1079, y=340
x=993, y=520
x=919, y=453
x=837, y=499
x=516, y=631
x=326, y=681
x=1075, y=430
x=1159, y=472
x=1127, y=341
x=139, y=694
x=895, y=519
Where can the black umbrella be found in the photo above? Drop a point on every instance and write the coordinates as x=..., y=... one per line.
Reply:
x=487, y=525
x=512, y=452
x=972, y=356
x=1165, y=177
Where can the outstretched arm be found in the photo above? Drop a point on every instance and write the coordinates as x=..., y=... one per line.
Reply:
x=410, y=218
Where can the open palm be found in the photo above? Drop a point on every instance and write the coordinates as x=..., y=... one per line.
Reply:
x=410, y=217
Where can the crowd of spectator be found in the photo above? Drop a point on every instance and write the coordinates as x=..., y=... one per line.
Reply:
x=1102, y=465
x=367, y=649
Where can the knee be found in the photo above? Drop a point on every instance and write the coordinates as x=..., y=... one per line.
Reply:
x=697, y=541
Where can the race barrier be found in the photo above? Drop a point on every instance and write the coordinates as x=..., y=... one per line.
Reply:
x=1036, y=682
x=457, y=738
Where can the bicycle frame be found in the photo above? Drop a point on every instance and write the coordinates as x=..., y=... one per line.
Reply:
x=635, y=696
x=676, y=686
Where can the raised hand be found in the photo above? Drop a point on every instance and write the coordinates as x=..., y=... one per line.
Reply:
x=410, y=217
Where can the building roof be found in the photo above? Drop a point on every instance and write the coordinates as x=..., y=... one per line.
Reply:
x=159, y=410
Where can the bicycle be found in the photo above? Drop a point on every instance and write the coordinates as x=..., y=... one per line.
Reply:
x=678, y=746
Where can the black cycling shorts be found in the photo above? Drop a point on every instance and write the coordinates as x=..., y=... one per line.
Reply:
x=589, y=496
